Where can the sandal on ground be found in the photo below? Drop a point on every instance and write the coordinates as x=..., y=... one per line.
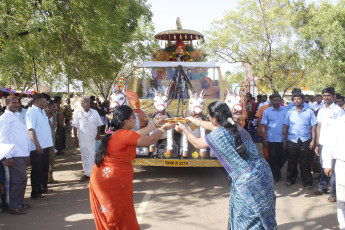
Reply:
x=53, y=181
x=45, y=191
x=17, y=212
x=39, y=197
x=26, y=206
x=318, y=192
x=331, y=198
x=84, y=178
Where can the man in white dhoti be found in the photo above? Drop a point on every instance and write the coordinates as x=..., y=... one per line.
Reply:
x=333, y=149
x=87, y=125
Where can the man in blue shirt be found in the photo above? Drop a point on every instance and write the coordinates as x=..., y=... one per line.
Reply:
x=41, y=139
x=272, y=121
x=299, y=134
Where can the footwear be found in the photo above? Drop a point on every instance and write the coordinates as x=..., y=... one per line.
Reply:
x=309, y=187
x=318, y=192
x=45, y=191
x=5, y=209
x=39, y=197
x=84, y=178
x=287, y=183
x=53, y=181
x=17, y=212
x=26, y=206
x=332, y=198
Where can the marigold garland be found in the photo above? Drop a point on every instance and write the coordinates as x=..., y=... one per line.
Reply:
x=184, y=58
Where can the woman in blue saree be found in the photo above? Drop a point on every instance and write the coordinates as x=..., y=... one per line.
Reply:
x=252, y=198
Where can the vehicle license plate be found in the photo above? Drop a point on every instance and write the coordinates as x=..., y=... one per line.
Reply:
x=176, y=163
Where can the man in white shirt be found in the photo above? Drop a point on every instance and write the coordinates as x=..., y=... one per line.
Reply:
x=13, y=131
x=264, y=101
x=87, y=125
x=333, y=154
x=318, y=103
x=307, y=100
x=22, y=112
x=325, y=117
x=41, y=140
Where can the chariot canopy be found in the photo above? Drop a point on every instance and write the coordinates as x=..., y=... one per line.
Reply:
x=179, y=34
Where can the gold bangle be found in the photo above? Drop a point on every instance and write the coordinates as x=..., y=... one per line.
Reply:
x=154, y=123
x=161, y=129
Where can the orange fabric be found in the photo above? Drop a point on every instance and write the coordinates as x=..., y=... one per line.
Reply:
x=244, y=110
x=259, y=115
x=142, y=116
x=133, y=99
x=111, y=185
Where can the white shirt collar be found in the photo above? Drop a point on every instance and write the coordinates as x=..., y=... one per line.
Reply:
x=9, y=112
x=331, y=106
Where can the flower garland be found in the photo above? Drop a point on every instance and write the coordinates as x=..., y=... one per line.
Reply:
x=185, y=57
x=88, y=115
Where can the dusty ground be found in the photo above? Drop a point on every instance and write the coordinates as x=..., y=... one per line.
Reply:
x=165, y=198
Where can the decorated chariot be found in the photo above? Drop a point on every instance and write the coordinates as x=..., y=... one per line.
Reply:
x=176, y=84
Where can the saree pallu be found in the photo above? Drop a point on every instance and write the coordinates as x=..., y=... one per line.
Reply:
x=111, y=185
x=252, y=198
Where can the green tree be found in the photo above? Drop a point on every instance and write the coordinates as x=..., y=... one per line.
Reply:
x=322, y=29
x=260, y=33
x=82, y=39
x=235, y=77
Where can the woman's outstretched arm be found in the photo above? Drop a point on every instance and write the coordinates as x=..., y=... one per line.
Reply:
x=198, y=143
x=204, y=124
x=146, y=131
x=149, y=140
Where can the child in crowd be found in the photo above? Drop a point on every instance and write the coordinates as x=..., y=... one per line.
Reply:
x=68, y=129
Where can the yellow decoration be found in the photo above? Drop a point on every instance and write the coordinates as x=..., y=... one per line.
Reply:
x=167, y=155
x=192, y=126
x=195, y=154
x=111, y=116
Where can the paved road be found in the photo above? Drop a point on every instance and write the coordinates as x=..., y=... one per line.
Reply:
x=165, y=198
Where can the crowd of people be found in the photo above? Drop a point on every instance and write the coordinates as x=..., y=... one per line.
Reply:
x=302, y=133
x=39, y=131
x=307, y=133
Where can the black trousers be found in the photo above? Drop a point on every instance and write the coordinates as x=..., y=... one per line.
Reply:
x=60, y=139
x=39, y=171
x=299, y=152
x=276, y=158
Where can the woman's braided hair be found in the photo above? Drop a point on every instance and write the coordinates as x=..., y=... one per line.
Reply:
x=121, y=113
x=222, y=113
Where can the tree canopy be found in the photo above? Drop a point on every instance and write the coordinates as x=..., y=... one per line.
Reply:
x=86, y=40
x=288, y=44
x=321, y=29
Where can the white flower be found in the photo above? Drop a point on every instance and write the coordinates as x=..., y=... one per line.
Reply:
x=102, y=209
x=106, y=172
x=230, y=121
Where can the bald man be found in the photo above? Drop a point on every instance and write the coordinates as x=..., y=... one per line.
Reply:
x=87, y=126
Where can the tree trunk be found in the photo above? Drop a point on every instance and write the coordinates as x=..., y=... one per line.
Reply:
x=35, y=73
